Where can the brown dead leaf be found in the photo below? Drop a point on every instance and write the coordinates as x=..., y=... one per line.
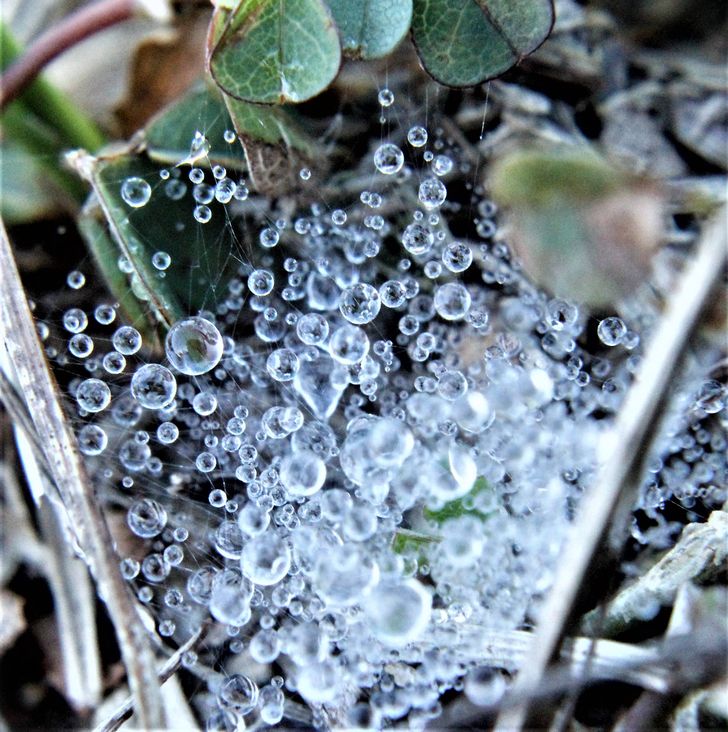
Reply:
x=165, y=65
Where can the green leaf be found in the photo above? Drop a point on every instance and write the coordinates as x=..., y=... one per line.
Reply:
x=465, y=42
x=273, y=51
x=460, y=506
x=95, y=233
x=371, y=28
x=406, y=541
x=204, y=256
x=276, y=147
x=169, y=135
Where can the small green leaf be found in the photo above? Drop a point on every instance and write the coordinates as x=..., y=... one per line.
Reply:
x=276, y=147
x=169, y=135
x=371, y=28
x=273, y=51
x=465, y=42
x=406, y=541
x=204, y=256
x=457, y=508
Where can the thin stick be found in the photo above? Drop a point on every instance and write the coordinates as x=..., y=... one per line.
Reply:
x=77, y=26
x=39, y=390
x=628, y=447
x=166, y=671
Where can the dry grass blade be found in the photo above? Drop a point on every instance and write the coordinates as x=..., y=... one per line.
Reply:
x=166, y=672
x=701, y=551
x=624, y=455
x=38, y=388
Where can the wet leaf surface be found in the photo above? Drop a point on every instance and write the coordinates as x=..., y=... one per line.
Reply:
x=465, y=42
x=168, y=136
x=203, y=256
x=274, y=51
x=371, y=28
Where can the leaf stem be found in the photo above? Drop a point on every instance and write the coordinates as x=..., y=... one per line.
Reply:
x=84, y=22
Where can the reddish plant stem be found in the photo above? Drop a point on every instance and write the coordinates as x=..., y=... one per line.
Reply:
x=73, y=29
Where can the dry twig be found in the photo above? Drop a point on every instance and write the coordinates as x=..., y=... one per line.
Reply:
x=627, y=448
x=36, y=383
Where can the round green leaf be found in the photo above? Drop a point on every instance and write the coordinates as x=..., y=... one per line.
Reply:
x=274, y=51
x=465, y=42
x=371, y=28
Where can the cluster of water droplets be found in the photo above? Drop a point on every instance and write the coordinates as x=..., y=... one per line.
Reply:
x=368, y=451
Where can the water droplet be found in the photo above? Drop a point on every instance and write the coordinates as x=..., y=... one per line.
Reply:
x=457, y=257
x=146, y=518
x=393, y=293
x=167, y=433
x=348, y=344
x=398, y=613
x=105, y=314
x=611, y=331
x=417, y=136
x=113, y=362
x=240, y=693
x=153, y=386
x=388, y=159
x=417, y=239
x=432, y=193
x=268, y=237
x=385, y=97
x=312, y=329
x=204, y=403
x=136, y=192
x=321, y=383
x=202, y=214
x=75, y=320
x=194, y=346
x=452, y=301
x=260, y=282
x=282, y=364
x=93, y=395
x=126, y=340
x=75, y=280
x=360, y=303
x=266, y=559
x=302, y=473
x=92, y=440
x=441, y=165
x=161, y=260
x=81, y=345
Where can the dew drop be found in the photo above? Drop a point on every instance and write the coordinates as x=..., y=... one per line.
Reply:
x=136, y=192
x=194, y=346
x=388, y=159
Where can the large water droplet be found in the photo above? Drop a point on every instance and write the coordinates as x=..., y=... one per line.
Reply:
x=398, y=613
x=153, y=386
x=388, y=159
x=321, y=383
x=194, y=346
x=136, y=192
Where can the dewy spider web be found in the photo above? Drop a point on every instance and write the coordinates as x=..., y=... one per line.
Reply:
x=357, y=448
